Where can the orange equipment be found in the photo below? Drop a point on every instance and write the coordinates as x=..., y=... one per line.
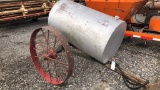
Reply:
x=125, y=9
x=122, y=8
x=155, y=23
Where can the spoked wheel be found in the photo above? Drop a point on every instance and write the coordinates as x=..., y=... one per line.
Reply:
x=51, y=55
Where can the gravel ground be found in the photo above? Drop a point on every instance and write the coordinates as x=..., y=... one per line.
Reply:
x=17, y=71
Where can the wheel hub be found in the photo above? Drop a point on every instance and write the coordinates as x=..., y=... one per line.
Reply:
x=51, y=54
x=47, y=44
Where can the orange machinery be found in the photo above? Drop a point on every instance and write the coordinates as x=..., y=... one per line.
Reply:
x=125, y=9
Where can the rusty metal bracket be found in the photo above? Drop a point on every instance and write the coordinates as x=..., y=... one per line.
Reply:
x=15, y=10
x=45, y=7
x=24, y=11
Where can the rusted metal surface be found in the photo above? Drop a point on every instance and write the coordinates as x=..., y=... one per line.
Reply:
x=46, y=48
x=14, y=10
x=24, y=17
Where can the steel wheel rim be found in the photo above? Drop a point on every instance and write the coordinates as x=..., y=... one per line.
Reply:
x=49, y=56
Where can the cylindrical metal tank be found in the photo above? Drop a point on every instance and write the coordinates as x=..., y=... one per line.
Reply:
x=93, y=32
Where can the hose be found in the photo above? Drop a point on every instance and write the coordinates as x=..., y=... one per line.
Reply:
x=148, y=17
x=131, y=85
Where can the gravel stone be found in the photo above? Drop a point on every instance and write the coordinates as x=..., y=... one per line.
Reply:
x=17, y=71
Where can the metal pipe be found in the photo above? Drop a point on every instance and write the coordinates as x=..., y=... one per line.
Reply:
x=152, y=7
x=3, y=5
x=20, y=11
x=157, y=5
x=22, y=17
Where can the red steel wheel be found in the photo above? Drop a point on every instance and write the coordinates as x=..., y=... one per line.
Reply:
x=51, y=55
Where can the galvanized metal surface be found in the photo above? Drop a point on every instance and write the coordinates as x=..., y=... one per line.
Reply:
x=95, y=33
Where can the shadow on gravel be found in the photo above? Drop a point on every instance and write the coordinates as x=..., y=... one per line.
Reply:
x=22, y=23
x=141, y=43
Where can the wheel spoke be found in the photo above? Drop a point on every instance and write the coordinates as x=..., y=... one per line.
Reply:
x=46, y=38
x=39, y=56
x=39, y=53
x=55, y=39
x=48, y=41
x=65, y=71
x=48, y=48
x=40, y=43
x=48, y=61
x=57, y=74
x=49, y=69
x=54, y=60
x=55, y=70
x=60, y=62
